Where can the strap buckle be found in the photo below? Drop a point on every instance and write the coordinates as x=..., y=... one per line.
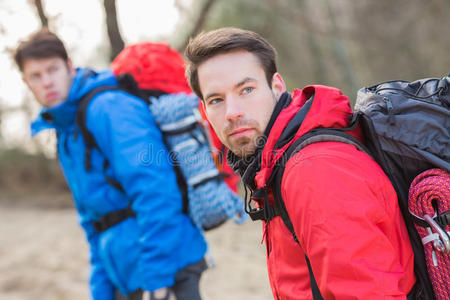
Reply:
x=256, y=214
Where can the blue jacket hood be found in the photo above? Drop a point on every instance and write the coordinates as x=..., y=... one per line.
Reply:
x=63, y=115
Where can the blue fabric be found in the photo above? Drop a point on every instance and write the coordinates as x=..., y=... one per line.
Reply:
x=210, y=203
x=144, y=252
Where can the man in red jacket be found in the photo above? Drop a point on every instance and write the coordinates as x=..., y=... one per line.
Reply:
x=342, y=207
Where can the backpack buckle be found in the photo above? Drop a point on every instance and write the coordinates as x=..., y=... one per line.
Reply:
x=256, y=214
x=267, y=212
x=441, y=239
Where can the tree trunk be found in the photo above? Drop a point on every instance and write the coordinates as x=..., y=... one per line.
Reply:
x=198, y=24
x=115, y=38
x=40, y=10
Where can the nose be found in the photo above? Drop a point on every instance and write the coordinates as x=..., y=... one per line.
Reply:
x=234, y=109
x=47, y=79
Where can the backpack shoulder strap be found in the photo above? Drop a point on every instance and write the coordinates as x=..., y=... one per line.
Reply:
x=81, y=122
x=88, y=137
x=314, y=136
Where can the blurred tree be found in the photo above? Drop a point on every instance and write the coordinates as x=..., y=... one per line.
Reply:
x=199, y=23
x=41, y=13
x=112, y=26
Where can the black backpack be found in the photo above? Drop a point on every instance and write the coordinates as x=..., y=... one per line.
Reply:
x=406, y=127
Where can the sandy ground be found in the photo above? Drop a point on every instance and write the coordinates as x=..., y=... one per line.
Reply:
x=43, y=255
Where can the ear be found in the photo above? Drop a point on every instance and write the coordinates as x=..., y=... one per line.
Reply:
x=70, y=67
x=278, y=85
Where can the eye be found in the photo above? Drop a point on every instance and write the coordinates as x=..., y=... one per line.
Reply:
x=53, y=69
x=214, y=101
x=247, y=90
x=34, y=77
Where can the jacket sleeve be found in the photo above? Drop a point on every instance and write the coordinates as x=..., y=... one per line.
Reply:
x=346, y=216
x=127, y=134
x=99, y=283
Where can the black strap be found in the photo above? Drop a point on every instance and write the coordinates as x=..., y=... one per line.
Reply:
x=81, y=121
x=113, y=218
x=109, y=179
x=314, y=287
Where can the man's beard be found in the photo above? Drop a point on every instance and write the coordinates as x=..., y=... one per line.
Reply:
x=246, y=146
x=243, y=146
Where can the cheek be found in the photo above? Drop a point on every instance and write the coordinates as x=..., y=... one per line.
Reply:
x=213, y=117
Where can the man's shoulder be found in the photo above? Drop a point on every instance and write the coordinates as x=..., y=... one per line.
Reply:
x=332, y=156
x=334, y=167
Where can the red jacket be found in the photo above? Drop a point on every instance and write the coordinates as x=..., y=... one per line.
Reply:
x=344, y=211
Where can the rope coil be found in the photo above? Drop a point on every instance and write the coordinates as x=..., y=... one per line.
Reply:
x=429, y=196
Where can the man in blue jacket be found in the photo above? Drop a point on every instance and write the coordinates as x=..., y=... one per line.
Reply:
x=158, y=253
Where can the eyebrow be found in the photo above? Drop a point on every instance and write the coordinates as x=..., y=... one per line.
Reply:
x=244, y=81
x=236, y=86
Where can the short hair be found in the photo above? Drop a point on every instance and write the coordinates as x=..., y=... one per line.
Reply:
x=41, y=44
x=209, y=44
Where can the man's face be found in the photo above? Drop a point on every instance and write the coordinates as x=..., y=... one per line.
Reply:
x=237, y=98
x=49, y=79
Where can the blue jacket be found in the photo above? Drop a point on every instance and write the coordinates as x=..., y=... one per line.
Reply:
x=144, y=252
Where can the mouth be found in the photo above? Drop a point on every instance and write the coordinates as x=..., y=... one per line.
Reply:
x=51, y=95
x=240, y=132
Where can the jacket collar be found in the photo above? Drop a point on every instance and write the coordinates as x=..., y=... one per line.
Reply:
x=329, y=108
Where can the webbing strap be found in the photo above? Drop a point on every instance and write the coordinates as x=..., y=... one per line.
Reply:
x=110, y=180
x=81, y=121
x=113, y=218
x=314, y=287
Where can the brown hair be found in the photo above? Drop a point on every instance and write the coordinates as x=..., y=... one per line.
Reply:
x=223, y=40
x=42, y=44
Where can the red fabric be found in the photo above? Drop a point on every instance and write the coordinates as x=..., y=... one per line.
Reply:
x=428, y=187
x=155, y=66
x=344, y=211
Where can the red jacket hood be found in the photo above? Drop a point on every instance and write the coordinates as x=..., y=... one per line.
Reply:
x=330, y=108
